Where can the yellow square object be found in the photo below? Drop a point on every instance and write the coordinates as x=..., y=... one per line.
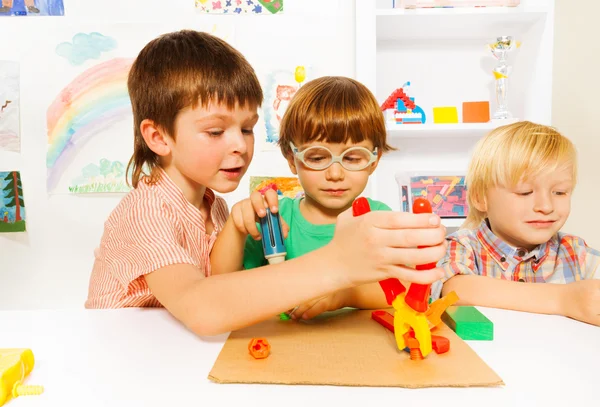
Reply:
x=445, y=115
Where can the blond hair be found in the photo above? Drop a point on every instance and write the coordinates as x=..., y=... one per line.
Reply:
x=511, y=153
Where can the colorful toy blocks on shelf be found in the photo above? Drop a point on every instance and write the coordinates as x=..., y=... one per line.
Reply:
x=15, y=366
x=476, y=112
x=469, y=323
x=442, y=115
x=401, y=109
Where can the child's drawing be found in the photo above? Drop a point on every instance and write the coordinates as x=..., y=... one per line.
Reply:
x=240, y=6
x=108, y=176
x=9, y=106
x=285, y=186
x=89, y=117
x=32, y=8
x=85, y=46
x=279, y=87
x=12, y=205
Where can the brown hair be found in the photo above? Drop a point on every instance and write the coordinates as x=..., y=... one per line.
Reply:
x=178, y=70
x=334, y=109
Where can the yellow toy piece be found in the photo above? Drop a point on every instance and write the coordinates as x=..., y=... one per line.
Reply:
x=405, y=318
x=15, y=365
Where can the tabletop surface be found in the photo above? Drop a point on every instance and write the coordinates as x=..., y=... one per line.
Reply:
x=144, y=357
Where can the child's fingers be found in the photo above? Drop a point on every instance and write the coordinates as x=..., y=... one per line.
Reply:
x=249, y=220
x=258, y=205
x=317, y=309
x=412, y=256
x=409, y=238
x=297, y=312
x=402, y=220
x=416, y=276
x=238, y=219
x=272, y=200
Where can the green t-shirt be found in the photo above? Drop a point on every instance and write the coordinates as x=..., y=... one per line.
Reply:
x=303, y=237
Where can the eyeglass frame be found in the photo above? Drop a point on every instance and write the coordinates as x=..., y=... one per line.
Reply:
x=334, y=158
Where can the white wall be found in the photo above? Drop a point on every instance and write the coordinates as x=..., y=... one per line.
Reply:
x=576, y=105
x=49, y=265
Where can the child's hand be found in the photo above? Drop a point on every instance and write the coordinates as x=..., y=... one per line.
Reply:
x=582, y=301
x=245, y=213
x=378, y=244
x=320, y=305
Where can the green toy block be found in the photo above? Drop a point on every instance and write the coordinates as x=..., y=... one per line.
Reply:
x=468, y=323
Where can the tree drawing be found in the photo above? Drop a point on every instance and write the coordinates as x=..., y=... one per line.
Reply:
x=13, y=192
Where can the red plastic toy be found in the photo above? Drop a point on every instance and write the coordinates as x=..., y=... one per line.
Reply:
x=418, y=294
x=392, y=287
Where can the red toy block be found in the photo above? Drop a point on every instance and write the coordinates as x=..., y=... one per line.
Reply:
x=440, y=344
x=384, y=318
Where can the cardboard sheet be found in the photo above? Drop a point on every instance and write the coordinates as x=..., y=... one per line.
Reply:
x=347, y=349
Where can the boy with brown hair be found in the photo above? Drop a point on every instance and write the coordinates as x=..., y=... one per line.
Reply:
x=195, y=101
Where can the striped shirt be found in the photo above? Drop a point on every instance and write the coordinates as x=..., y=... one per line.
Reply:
x=563, y=259
x=154, y=226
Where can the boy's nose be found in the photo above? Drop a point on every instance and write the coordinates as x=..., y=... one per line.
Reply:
x=543, y=204
x=335, y=172
x=239, y=144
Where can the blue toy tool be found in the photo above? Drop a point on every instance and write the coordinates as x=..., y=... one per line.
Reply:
x=272, y=238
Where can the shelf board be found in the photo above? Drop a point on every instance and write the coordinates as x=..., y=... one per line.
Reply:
x=456, y=23
x=460, y=11
x=439, y=130
x=452, y=223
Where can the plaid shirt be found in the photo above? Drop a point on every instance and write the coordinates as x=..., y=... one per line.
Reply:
x=563, y=259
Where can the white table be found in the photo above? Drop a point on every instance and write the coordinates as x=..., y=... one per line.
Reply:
x=143, y=357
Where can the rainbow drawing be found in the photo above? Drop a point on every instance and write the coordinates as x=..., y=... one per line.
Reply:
x=93, y=101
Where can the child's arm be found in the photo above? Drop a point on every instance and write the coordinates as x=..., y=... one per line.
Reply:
x=365, y=296
x=227, y=254
x=576, y=300
x=579, y=300
x=363, y=250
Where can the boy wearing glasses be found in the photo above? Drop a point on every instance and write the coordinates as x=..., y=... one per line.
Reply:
x=332, y=135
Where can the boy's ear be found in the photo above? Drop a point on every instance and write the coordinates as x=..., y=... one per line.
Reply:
x=373, y=166
x=155, y=139
x=292, y=164
x=480, y=203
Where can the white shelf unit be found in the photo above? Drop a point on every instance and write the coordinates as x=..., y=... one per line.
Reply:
x=438, y=130
x=442, y=52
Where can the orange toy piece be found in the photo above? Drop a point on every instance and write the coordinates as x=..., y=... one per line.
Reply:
x=413, y=344
x=439, y=344
x=437, y=308
x=259, y=348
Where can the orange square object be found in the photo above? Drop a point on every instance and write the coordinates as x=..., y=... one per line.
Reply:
x=476, y=112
